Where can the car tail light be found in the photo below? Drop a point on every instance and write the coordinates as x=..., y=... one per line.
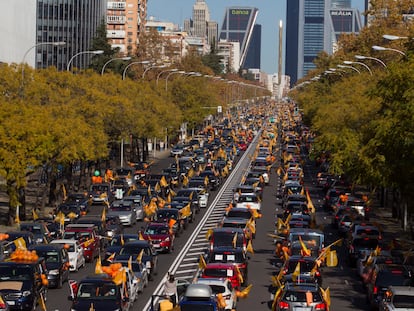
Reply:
x=320, y=306
x=227, y=296
x=317, y=273
x=3, y=305
x=375, y=290
x=283, y=305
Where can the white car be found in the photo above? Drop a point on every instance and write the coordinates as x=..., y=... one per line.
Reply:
x=251, y=201
x=221, y=286
x=75, y=252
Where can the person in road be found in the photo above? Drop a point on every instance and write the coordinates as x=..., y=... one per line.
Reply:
x=170, y=288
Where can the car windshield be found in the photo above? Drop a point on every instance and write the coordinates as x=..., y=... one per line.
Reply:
x=120, y=240
x=226, y=239
x=305, y=266
x=403, y=301
x=95, y=291
x=165, y=214
x=36, y=230
x=242, y=214
x=121, y=208
x=156, y=230
x=217, y=289
x=15, y=273
x=367, y=231
x=393, y=278
x=49, y=256
x=310, y=240
x=81, y=236
x=365, y=243
x=199, y=306
x=247, y=199
x=218, y=273
x=301, y=296
x=227, y=257
x=130, y=250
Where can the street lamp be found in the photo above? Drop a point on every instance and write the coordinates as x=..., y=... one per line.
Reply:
x=96, y=52
x=169, y=70
x=348, y=62
x=151, y=67
x=392, y=37
x=112, y=59
x=133, y=63
x=171, y=73
x=382, y=48
x=361, y=57
x=350, y=67
x=60, y=43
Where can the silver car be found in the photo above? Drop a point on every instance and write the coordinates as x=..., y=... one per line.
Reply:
x=125, y=211
x=294, y=297
x=137, y=204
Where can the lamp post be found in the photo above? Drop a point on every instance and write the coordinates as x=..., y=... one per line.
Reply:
x=151, y=67
x=159, y=75
x=361, y=57
x=112, y=59
x=392, y=37
x=348, y=62
x=171, y=73
x=96, y=52
x=382, y=48
x=350, y=67
x=60, y=43
x=133, y=63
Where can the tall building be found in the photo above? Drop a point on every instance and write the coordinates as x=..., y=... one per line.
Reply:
x=343, y=20
x=238, y=25
x=200, y=24
x=125, y=22
x=29, y=26
x=307, y=34
x=254, y=50
x=230, y=56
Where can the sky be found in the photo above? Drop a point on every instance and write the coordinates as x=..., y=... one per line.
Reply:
x=270, y=13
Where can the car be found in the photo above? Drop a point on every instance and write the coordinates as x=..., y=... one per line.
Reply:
x=295, y=297
x=95, y=220
x=241, y=223
x=385, y=275
x=222, y=286
x=313, y=238
x=99, y=291
x=27, y=238
x=27, y=274
x=149, y=255
x=125, y=210
x=227, y=237
x=363, y=228
x=214, y=180
x=77, y=201
x=88, y=238
x=198, y=297
x=160, y=236
x=100, y=193
x=75, y=253
x=137, y=205
x=140, y=274
x=299, y=220
x=40, y=231
x=359, y=205
x=185, y=219
x=359, y=244
x=115, y=245
x=165, y=215
x=177, y=150
x=249, y=201
x=234, y=255
x=113, y=226
x=309, y=270
x=199, y=196
x=398, y=298
x=57, y=263
x=223, y=270
x=184, y=196
x=238, y=212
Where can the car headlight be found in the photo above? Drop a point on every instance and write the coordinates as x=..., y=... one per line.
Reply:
x=26, y=293
x=39, y=240
x=109, y=233
x=54, y=272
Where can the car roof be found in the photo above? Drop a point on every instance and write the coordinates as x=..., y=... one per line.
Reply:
x=44, y=247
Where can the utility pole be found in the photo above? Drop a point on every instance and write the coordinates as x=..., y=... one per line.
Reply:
x=279, y=74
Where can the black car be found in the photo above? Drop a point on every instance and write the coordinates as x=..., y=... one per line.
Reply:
x=79, y=200
x=166, y=214
x=39, y=230
x=26, y=237
x=149, y=255
x=213, y=180
x=28, y=275
x=57, y=263
x=115, y=245
x=100, y=292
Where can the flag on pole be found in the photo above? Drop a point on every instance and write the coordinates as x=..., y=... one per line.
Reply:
x=98, y=266
x=202, y=263
x=163, y=182
x=103, y=216
x=17, y=218
x=35, y=216
x=20, y=243
x=296, y=272
x=139, y=257
x=130, y=263
x=305, y=251
x=249, y=247
x=234, y=242
x=111, y=258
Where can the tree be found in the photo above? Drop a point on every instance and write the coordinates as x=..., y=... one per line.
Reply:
x=213, y=60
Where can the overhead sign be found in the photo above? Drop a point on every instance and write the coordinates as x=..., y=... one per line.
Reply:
x=341, y=13
x=240, y=12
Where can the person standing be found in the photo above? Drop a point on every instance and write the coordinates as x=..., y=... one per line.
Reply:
x=170, y=288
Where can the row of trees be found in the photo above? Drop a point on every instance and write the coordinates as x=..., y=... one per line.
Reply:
x=366, y=121
x=54, y=118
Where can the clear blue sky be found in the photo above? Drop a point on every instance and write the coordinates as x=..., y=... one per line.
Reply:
x=270, y=13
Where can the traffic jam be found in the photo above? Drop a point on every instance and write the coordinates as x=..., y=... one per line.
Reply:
x=213, y=192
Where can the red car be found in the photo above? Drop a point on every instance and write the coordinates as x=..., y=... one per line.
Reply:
x=160, y=236
x=87, y=236
x=242, y=146
x=224, y=270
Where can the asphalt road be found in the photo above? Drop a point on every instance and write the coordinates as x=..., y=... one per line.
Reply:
x=346, y=290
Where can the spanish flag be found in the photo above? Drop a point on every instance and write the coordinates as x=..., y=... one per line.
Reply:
x=98, y=266
x=296, y=272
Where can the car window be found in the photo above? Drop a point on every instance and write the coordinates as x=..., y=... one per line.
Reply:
x=300, y=296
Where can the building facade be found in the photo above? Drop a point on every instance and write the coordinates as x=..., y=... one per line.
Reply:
x=125, y=22
x=254, y=51
x=230, y=53
x=238, y=25
x=29, y=27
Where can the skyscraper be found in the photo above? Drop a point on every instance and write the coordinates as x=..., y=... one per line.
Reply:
x=307, y=34
x=72, y=21
x=238, y=25
x=254, y=50
x=201, y=15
